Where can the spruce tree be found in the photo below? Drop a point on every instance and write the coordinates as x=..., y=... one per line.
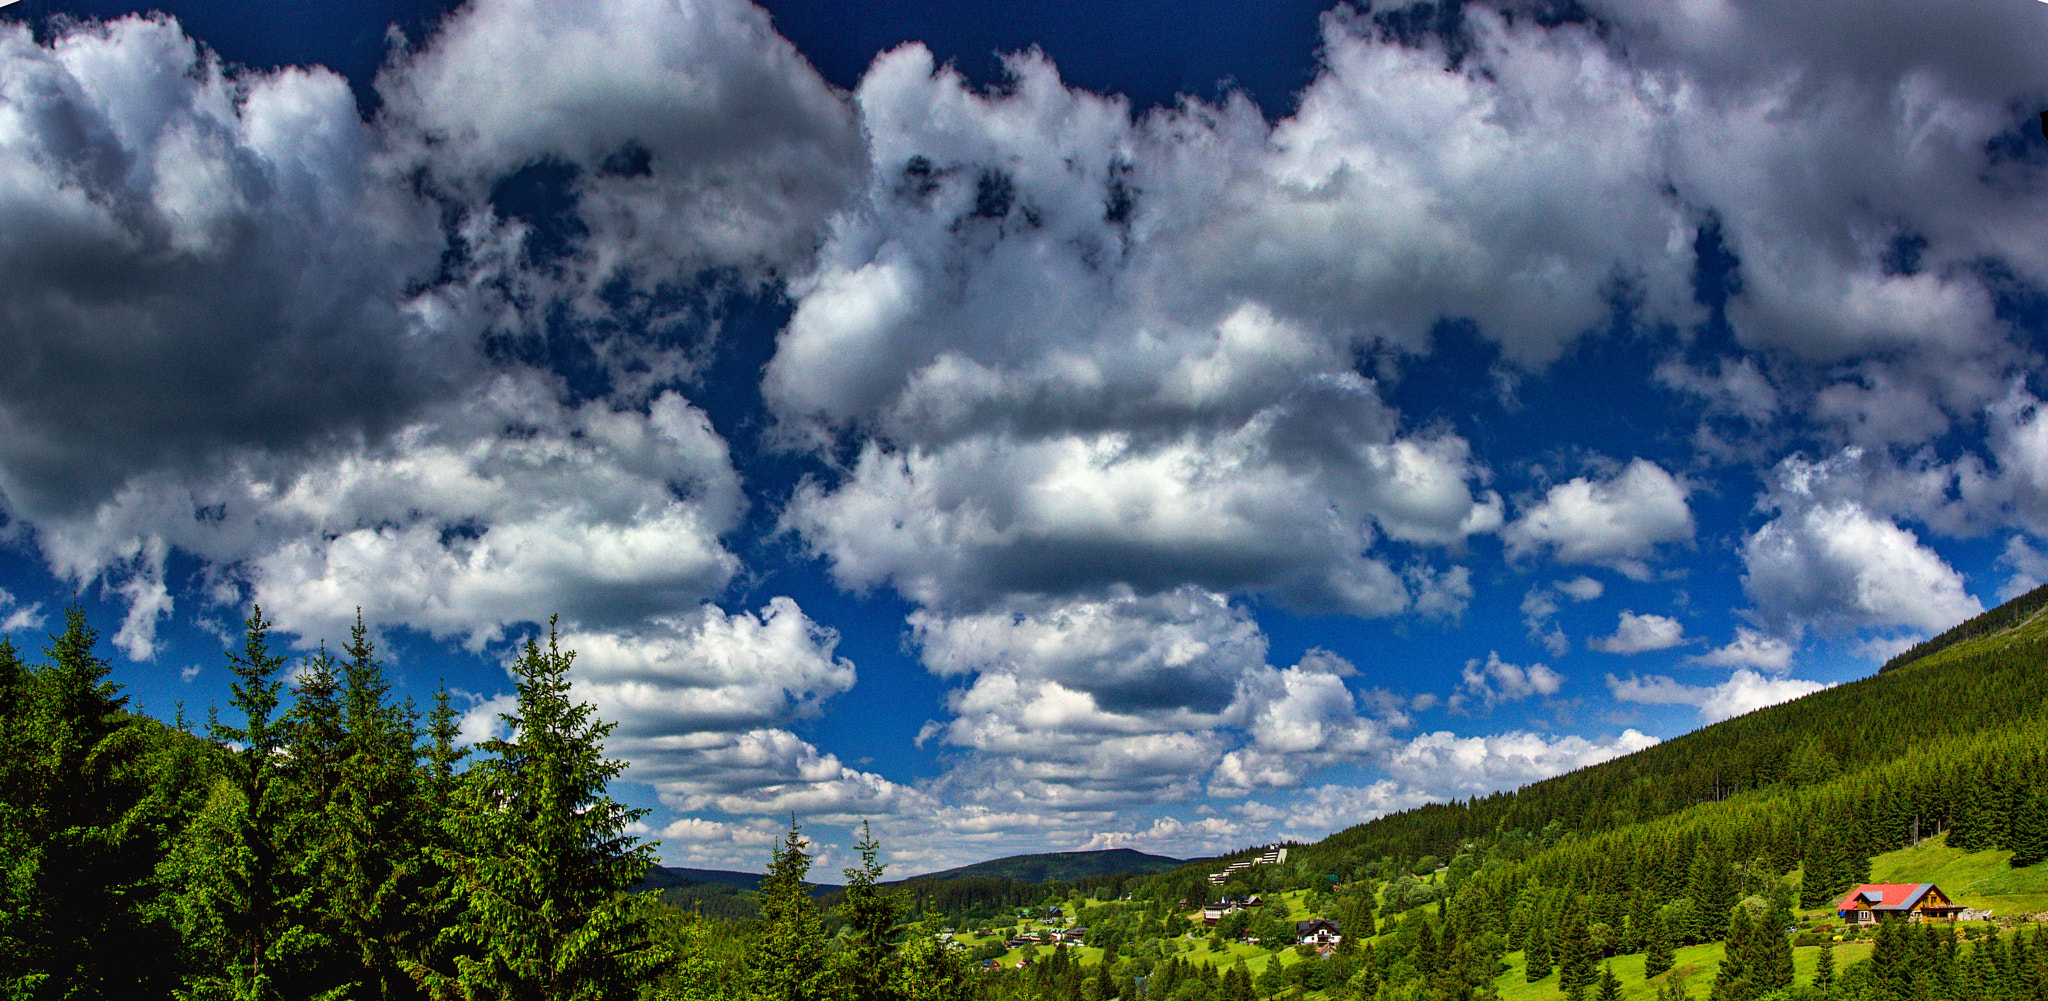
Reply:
x=863, y=966
x=1610, y=985
x=788, y=962
x=1574, y=954
x=1824, y=966
x=1737, y=980
x=76, y=826
x=2028, y=824
x=377, y=866
x=1658, y=954
x=926, y=971
x=545, y=858
x=1537, y=956
x=238, y=903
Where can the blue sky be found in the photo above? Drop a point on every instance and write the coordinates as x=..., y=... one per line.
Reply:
x=1031, y=427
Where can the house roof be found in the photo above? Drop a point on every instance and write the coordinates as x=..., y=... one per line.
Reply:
x=1304, y=927
x=1885, y=896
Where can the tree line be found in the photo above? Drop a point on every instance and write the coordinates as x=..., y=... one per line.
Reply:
x=336, y=847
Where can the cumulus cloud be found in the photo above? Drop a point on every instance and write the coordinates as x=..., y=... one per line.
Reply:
x=707, y=670
x=1744, y=691
x=2029, y=567
x=1493, y=681
x=19, y=617
x=603, y=515
x=1184, y=649
x=1827, y=561
x=1446, y=765
x=1641, y=634
x=679, y=140
x=1617, y=522
x=1247, y=509
x=1750, y=648
x=765, y=772
x=199, y=260
x=1540, y=605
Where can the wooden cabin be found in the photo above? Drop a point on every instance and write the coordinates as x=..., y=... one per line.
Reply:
x=1874, y=902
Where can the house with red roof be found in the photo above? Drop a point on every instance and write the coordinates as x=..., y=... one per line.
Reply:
x=1874, y=902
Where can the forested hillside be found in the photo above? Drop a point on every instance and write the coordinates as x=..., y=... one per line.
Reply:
x=320, y=840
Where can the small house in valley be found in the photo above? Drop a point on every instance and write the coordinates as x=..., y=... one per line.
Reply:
x=1874, y=902
x=1319, y=931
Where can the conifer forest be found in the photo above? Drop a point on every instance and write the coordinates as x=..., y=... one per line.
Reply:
x=315, y=838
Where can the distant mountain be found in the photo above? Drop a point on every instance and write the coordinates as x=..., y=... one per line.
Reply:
x=1056, y=867
x=663, y=877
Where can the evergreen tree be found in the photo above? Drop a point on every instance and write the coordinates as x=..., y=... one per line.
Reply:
x=1610, y=985
x=864, y=964
x=2028, y=825
x=1658, y=953
x=1824, y=966
x=544, y=858
x=926, y=971
x=1737, y=978
x=76, y=825
x=377, y=867
x=1574, y=954
x=237, y=903
x=788, y=962
x=1537, y=956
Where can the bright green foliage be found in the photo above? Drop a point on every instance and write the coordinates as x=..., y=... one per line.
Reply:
x=2029, y=827
x=1658, y=953
x=78, y=828
x=863, y=965
x=240, y=903
x=788, y=963
x=543, y=858
x=925, y=971
x=1610, y=985
x=1824, y=966
x=1574, y=955
x=376, y=869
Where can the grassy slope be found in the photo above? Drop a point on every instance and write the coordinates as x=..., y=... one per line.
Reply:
x=1696, y=966
x=1974, y=879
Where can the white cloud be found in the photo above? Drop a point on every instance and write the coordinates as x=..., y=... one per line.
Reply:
x=1445, y=765
x=1641, y=634
x=2029, y=568
x=19, y=617
x=696, y=137
x=1830, y=562
x=199, y=259
x=1288, y=503
x=1540, y=605
x=1617, y=522
x=1186, y=648
x=1750, y=648
x=1493, y=681
x=1582, y=588
x=707, y=670
x=1744, y=691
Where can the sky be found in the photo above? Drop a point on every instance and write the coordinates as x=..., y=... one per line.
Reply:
x=1030, y=427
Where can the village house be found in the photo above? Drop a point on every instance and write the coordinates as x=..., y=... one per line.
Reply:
x=1874, y=902
x=1273, y=857
x=1318, y=931
x=1213, y=913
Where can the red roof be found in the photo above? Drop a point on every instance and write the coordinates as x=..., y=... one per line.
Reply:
x=1885, y=896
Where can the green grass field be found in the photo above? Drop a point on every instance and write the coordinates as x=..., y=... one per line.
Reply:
x=1973, y=879
x=1695, y=968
